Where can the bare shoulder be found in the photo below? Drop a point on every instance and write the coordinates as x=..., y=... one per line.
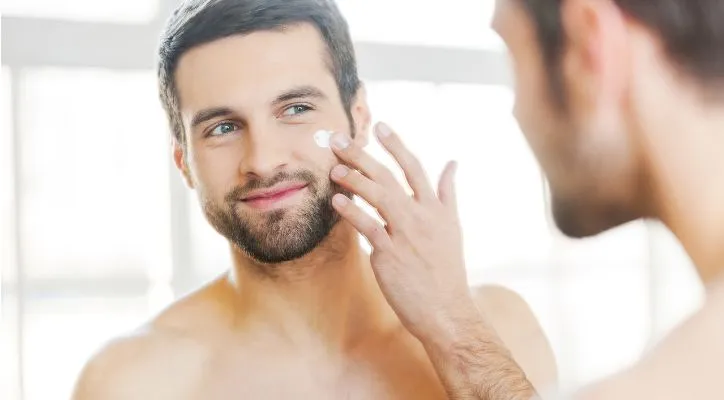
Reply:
x=161, y=360
x=139, y=366
x=518, y=327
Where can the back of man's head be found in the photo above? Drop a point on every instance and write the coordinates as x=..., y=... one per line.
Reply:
x=197, y=22
x=691, y=33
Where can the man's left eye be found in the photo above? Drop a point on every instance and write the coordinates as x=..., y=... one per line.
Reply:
x=296, y=109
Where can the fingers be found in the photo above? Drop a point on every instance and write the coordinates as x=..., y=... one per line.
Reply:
x=360, y=185
x=363, y=222
x=446, y=187
x=358, y=159
x=411, y=166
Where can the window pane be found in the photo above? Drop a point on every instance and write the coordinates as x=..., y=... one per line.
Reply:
x=9, y=377
x=84, y=10
x=95, y=159
x=453, y=23
x=8, y=304
x=62, y=333
x=7, y=186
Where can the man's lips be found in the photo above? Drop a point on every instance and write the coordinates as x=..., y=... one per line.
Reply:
x=267, y=197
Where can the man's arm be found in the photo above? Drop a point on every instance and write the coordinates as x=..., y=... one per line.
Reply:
x=514, y=357
x=419, y=265
x=688, y=364
x=519, y=330
x=474, y=363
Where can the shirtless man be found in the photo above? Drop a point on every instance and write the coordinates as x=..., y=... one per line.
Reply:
x=246, y=84
x=622, y=102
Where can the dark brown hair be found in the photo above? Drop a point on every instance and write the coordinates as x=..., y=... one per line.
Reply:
x=692, y=32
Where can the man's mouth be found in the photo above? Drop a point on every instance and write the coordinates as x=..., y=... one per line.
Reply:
x=272, y=197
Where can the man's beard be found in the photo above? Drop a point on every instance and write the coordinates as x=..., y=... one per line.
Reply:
x=279, y=235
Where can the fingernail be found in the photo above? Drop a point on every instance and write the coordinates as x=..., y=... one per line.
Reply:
x=383, y=130
x=340, y=141
x=340, y=200
x=339, y=171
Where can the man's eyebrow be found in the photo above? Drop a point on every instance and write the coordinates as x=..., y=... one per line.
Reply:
x=209, y=113
x=300, y=92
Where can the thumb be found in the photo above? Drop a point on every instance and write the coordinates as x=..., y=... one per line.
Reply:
x=446, y=187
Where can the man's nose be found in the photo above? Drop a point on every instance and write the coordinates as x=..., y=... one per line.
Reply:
x=265, y=153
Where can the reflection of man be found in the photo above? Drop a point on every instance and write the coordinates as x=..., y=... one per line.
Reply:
x=623, y=103
x=246, y=84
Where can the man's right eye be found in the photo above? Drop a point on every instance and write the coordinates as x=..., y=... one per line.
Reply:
x=223, y=128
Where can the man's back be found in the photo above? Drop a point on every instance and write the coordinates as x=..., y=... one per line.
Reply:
x=196, y=350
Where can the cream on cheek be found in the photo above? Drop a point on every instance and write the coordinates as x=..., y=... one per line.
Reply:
x=322, y=138
x=316, y=148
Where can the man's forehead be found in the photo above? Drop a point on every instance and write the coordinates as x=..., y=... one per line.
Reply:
x=262, y=63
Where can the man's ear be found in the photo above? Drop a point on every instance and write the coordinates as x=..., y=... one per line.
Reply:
x=361, y=116
x=596, y=60
x=179, y=158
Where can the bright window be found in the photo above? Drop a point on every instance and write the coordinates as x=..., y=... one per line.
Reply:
x=94, y=169
x=60, y=334
x=83, y=10
x=453, y=23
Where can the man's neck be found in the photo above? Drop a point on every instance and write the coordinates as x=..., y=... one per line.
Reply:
x=686, y=160
x=327, y=298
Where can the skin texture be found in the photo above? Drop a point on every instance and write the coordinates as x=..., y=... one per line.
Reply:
x=639, y=138
x=317, y=326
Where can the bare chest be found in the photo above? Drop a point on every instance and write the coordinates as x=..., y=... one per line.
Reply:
x=278, y=377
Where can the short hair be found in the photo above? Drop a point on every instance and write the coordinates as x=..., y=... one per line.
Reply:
x=196, y=22
x=692, y=33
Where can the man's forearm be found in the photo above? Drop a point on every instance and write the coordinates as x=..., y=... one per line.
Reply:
x=474, y=364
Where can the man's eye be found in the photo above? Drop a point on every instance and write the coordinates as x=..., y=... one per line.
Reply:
x=295, y=110
x=223, y=128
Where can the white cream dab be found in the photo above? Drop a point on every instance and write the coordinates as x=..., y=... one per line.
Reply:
x=322, y=137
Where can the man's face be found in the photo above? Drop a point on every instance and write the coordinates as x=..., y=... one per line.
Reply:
x=250, y=107
x=584, y=149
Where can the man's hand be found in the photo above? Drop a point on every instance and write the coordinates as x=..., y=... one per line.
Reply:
x=418, y=261
x=417, y=256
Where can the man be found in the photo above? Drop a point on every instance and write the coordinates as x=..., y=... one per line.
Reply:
x=622, y=102
x=246, y=84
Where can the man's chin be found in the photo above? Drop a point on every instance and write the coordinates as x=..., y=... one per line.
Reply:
x=578, y=221
x=285, y=243
x=274, y=257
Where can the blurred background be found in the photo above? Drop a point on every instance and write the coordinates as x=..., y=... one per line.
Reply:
x=98, y=232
